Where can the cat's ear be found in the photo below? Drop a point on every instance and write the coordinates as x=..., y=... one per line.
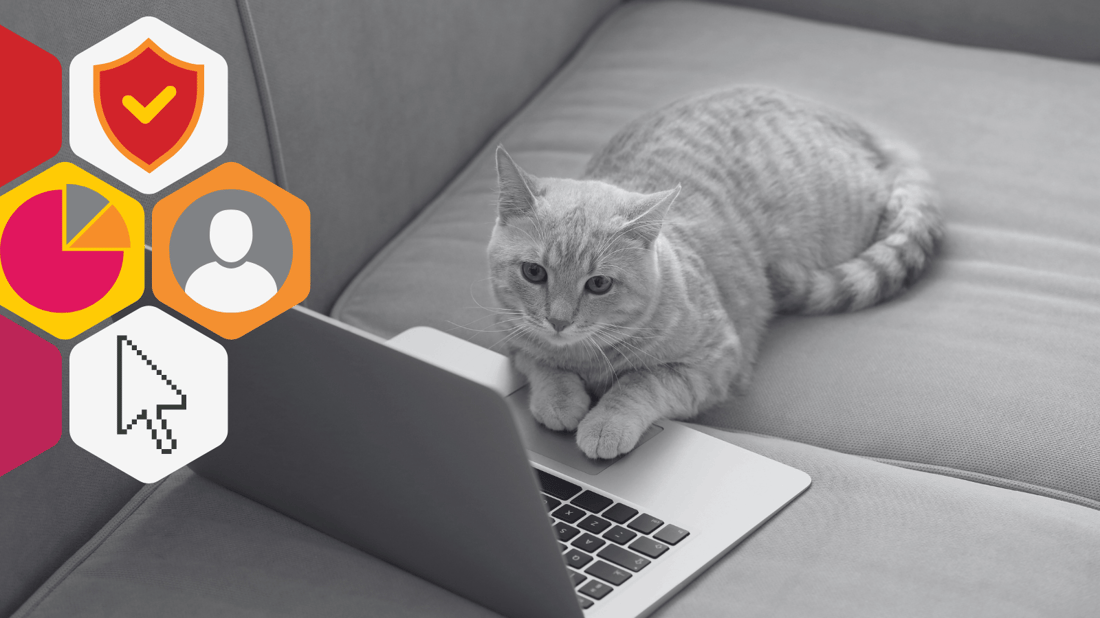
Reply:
x=517, y=189
x=647, y=215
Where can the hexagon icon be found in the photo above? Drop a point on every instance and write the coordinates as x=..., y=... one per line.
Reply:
x=30, y=396
x=148, y=394
x=231, y=250
x=72, y=250
x=148, y=105
x=30, y=118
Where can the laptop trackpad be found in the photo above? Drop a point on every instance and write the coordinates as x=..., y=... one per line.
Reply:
x=559, y=445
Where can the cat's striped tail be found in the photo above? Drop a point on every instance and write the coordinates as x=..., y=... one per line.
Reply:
x=911, y=229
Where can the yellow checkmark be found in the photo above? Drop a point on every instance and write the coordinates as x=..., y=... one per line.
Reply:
x=146, y=113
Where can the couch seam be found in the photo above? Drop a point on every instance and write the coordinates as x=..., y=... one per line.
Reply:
x=555, y=81
x=991, y=480
x=958, y=473
x=267, y=107
x=86, y=551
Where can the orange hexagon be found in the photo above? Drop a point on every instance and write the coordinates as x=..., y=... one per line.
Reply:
x=231, y=250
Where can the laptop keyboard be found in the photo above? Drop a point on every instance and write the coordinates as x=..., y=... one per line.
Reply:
x=604, y=542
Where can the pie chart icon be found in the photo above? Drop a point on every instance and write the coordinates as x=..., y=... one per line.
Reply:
x=66, y=247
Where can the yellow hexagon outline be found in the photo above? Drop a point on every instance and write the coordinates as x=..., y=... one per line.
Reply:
x=131, y=280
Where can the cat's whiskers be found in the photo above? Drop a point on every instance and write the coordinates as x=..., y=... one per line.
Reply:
x=632, y=352
x=624, y=326
x=470, y=290
x=468, y=327
x=495, y=315
x=637, y=350
x=610, y=366
x=615, y=339
x=622, y=333
x=606, y=341
x=517, y=330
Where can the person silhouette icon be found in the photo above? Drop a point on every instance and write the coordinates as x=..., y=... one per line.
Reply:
x=231, y=284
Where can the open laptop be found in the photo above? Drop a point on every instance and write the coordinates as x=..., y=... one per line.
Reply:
x=450, y=480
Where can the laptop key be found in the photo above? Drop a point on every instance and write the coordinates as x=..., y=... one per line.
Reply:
x=649, y=547
x=623, y=558
x=551, y=503
x=565, y=531
x=608, y=573
x=620, y=535
x=588, y=543
x=592, y=501
x=595, y=589
x=594, y=524
x=577, y=578
x=645, y=524
x=620, y=513
x=671, y=534
x=564, y=547
x=557, y=487
x=577, y=559
x=585, y=603
x=569, y=514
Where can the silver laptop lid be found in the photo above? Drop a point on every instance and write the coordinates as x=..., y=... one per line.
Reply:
x=405, y=461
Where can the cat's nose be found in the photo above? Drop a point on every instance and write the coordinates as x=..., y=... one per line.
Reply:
x=558, y=325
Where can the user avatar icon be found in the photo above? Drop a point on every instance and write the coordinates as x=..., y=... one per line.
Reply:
x=231, y=283
x=231, y=250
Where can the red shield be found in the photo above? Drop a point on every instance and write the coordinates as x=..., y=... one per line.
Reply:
x=148, y=103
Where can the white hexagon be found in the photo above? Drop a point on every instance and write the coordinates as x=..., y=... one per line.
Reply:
x=148, y=394
x=203, y=139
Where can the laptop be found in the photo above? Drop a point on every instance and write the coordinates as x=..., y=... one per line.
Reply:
x=447, y=476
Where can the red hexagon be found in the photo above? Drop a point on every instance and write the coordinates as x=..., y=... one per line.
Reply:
x=30, y=395
x=30, y=110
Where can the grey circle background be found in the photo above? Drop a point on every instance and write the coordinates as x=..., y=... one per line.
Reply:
x=272, y=247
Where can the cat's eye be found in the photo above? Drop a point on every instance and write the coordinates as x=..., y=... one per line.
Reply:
x=598, y=284
x=533, y=272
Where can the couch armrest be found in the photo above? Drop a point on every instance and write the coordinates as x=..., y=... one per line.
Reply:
x=1058, y=28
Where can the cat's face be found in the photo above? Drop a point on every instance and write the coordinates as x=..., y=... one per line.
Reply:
x=573, y=260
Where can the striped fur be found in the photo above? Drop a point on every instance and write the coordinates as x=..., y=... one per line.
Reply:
x=907, y=238
x=710, y=215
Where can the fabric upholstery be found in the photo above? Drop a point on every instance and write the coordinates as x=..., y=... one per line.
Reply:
x=54, y=503
x=1059, y=28
x=379, y=104
x=865, y=540
x=988, y=365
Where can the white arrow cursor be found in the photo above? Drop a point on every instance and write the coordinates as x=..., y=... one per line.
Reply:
x=146, y=387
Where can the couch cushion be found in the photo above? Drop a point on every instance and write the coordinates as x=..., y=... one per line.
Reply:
x=1060, y=28
x=379, y=104
x=867, y=539
x=988, y=365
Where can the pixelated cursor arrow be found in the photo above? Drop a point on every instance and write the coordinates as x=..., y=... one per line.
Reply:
x=144, y=387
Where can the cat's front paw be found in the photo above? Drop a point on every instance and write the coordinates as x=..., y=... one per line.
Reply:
x=560, y=402
x=606, y=434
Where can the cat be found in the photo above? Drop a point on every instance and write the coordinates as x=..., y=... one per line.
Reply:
x=646, y=285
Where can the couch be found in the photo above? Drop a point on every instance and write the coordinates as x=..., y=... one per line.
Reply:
x=952, y=433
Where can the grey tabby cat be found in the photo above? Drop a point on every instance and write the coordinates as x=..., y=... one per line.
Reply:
x=646, y=285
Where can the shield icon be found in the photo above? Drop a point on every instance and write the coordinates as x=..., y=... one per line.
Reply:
x=148, y=103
